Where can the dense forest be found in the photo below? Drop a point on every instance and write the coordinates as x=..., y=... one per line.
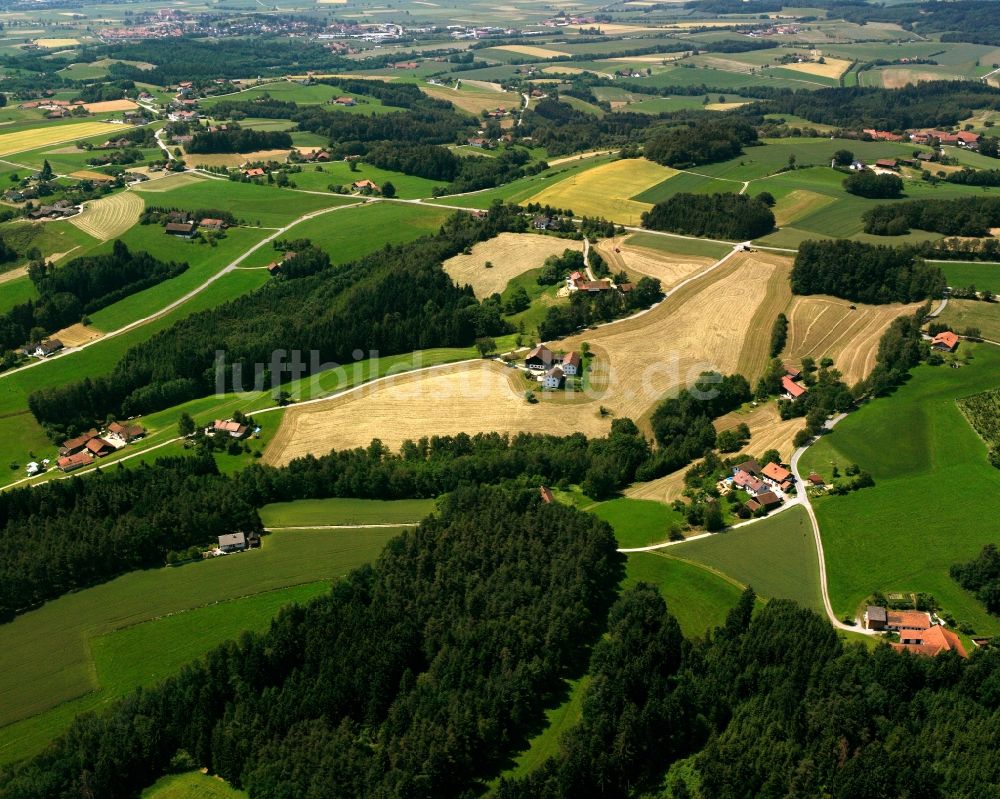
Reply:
x=562, y=129
x=981, y=576
x=704, y=141
x=929, y=105
x=863, y=272
x=396, y=300
x=735, y=217
x=959, y=21
x=958, y=216
x=414, y=677
x=67, y=293
x=235, y=139
x=67, y=534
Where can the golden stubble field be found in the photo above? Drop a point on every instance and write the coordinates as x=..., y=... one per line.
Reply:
x=639, y=260
x=703, y=325
x=109, y=217
x=511, y=254
x=823, y=326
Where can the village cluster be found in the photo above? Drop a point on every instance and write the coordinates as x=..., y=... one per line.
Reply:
x=75, y=453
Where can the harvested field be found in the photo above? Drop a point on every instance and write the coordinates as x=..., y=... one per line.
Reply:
x=35, y=138
x=511, y=254
x=897, y=78
x=756, y=353
x=668, y=269
x=169, y=181
x=56, y=43
x=90, y=174
x=723, y=106
x=233, y=160
x=833, y=68
x=473, y=102
x=109, y=217
x=111, y=105
x=827, y=327
x=799, y=203
x=702, y=325
x=607, y=190
x=465, y=398
x=534, y=52
x=75, y=335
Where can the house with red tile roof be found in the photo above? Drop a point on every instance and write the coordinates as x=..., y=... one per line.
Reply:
x=776, y=473
x=967, y=138
x=540, y=359
x=930, y=642
x=99, y=447
x=899, y=620
x=69, y=463
x=791, y=390
x=945, y=341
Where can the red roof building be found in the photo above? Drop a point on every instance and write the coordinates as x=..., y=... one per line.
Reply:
x=908, y=620
x=69, y=463
x=776, y=472
x=930, y=642
x=946, y=341
x=546, y=494
x=792, y=389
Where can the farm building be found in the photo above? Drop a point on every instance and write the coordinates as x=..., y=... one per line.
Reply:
x=127, y=433
x=45, y=348
x=212, y=224
x=539, y=359
x=71, y=446
x=554, y=378
x=887, y=163
x=546, y=495
x=231, y=428
x=182, y=229
x=945, y=342
x=571, y=364
x=750, y=467
x=791, y=390
x=69, y=463
x=98, y=447
x=345, y=101
x=232, y=542
x=255, y=172
x=898, y=620
x=930, y=642
x=875, y=617
x=365, y=185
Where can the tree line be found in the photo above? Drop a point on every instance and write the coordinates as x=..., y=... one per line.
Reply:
x=700, y=141
x=736, y=217
x=981, y=575
x=957, y=216
x=413, y=677
x=67, y=293
x=585, y=309
x=869, y=273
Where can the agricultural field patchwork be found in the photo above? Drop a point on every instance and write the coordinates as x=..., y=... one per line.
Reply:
x=111, y=216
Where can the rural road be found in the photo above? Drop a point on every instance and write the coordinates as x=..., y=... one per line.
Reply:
x=807, y=504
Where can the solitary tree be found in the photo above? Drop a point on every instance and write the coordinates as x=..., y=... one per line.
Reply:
x=185, y=425
x=388, y=190
x=485, y=346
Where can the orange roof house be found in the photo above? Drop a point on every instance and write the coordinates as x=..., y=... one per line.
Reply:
x=256, y=172
x=776, y=472
x=908, y=620
x=930, y=642
x=792, y=389
x=68, y=463
x=946, y=341
x=365, y=184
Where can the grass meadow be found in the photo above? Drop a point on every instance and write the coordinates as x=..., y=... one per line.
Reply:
x=982, y=276
x=338, y=511
x=87, y=648
x=933, y=496
x=639, y=522
x=963, y=314
x=192, y=785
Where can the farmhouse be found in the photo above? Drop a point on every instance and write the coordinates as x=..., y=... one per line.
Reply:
x=127, y=433
x=778, y=475
x=882, y=135
x=316, y=156
x=767, y=499
x=945, y=341
x=345, y=101
x=791, y=390
x=234, y=429
x=749, y=483
x=232, y=542
x=930, y=642
x=45, y=348
x=69, y=463
x=255, y=172
x=571, y=364
x=365, y=185
x=212, y=224
x=968, y=139
x=875, y=617
x=540, y=359
x=750, y=467
x=887, y=163
x=554, y=378
x=182, y=229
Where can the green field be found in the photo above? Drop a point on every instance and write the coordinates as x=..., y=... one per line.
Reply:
x=338, y=173
x=193, y=785
x=775, y=556
x=84, y=649
x=269, y=206
x=14, y=292
x=313, y=512
x=982, y=276
x=962, y=314
x=293, y=92
x=678, y=246
x=639, y=522
x=934, y=491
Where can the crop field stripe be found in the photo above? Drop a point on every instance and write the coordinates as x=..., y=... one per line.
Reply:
x=34, y=138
